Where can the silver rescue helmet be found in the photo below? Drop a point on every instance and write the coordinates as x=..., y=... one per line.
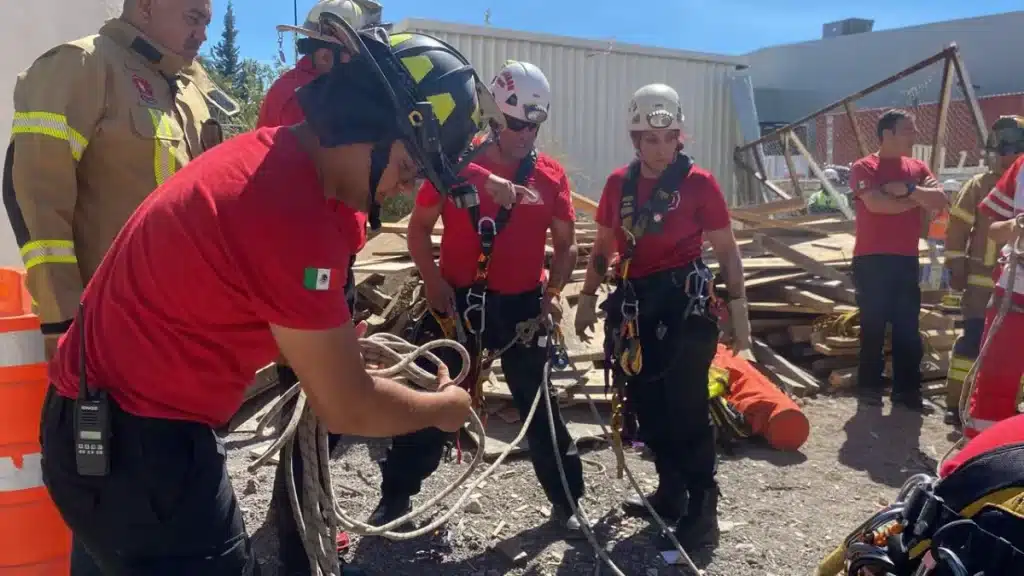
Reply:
x=950, y=186
x=357, y=13
x=522, y=92
x=655, y=107
x=830, y=174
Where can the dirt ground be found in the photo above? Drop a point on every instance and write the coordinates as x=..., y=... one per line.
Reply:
x=780, y=512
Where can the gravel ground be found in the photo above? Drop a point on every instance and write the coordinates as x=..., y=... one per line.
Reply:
x=780, y=512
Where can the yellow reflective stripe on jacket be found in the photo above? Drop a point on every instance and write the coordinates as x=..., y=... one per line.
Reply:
x=48, y=252
x=981, y=280
x=961, y=214
x=959, y=367
x=953, y=254
x=52, y=125
x=164, y=163
x=990, y=253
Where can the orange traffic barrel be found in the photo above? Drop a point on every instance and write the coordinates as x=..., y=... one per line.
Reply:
x=35, y=540
x=14, y=298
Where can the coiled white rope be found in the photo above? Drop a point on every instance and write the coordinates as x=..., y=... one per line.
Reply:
x=319, y=517
x=1012, y=262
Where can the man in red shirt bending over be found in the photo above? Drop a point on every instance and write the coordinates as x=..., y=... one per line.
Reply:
x=510, y=291
x=891, y=193
x=216, y=273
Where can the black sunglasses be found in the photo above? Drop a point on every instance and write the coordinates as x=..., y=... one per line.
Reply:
x=517, y=125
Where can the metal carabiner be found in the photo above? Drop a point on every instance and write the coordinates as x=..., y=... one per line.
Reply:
x=471, y=306
x=630, y=309
x=490, y=224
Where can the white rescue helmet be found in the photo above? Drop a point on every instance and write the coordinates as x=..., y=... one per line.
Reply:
x=830, y=174
x=522, y=92
x=357, y=13
x=951, y=186
x=655, y=107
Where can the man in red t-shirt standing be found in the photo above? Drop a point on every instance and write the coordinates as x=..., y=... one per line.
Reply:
x=997, y=385
x=214, y=275
x=891, y=192
x=511, y=290
x=661, y=332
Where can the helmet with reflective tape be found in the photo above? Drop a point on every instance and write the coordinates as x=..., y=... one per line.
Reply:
x=358, y=13
x=522, y=92
x=655, y=107
x=1006, y=137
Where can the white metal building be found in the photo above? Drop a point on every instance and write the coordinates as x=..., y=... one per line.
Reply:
x=31, y=29
x=592, y=83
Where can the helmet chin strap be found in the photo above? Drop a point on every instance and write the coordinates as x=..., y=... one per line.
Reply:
x=379, y=157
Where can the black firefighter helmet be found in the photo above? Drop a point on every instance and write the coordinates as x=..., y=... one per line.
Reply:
x=1006, y=137
x=407, y=86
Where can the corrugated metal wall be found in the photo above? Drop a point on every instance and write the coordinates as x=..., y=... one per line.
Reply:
x=592, y=83
x=32, y=28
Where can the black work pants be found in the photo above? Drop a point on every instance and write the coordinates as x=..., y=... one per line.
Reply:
x=413, y=457
x=670, y=394
x=165, y=508
x=889, y=294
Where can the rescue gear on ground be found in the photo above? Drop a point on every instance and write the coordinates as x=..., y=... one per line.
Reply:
x=414, y=88
x=969, y=522
x=522, y=92
x=970, y=255
x=99, y=123
x=655, y=107
x=764, y=409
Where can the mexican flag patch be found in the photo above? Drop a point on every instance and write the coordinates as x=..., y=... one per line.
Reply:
x=321, y=279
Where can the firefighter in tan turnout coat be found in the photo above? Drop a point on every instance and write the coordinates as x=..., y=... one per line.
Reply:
x=99, y=123
x=971, y=255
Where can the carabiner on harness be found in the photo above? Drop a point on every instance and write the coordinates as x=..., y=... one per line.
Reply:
x=475, y=302
x=698, y=289
x=486, y=230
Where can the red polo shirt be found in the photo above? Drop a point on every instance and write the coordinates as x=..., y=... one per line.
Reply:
x=517, y=262
x=178, y=315
x=698, y=206
x=886, y=233
x=281, y=108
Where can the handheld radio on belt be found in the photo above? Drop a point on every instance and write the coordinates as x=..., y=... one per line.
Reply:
x=92, y=417
x=487, y=230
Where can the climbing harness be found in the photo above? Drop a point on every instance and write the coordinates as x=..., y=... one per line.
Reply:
x=624, y=353
x=1012, y=261
x=487, y=230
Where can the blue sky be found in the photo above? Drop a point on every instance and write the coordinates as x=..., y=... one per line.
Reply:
x=718, y=26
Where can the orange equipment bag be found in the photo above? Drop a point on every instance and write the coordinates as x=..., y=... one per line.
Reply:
x=768, y=411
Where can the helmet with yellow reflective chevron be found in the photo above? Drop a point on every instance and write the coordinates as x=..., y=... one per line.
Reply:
x=410, y=87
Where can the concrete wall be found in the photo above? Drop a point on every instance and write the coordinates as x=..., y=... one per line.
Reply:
x=820, y=72
x=31, y=28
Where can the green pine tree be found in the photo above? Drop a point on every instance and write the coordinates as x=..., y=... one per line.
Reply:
x=226, y=58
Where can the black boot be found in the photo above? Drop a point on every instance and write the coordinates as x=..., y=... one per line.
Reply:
x=667, y=502
x=699, y=528
x=390, y=509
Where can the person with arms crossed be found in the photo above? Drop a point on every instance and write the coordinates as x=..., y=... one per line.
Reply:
x=892, y=192
x=506, y=279
x=205, y=284
x=661, y=332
